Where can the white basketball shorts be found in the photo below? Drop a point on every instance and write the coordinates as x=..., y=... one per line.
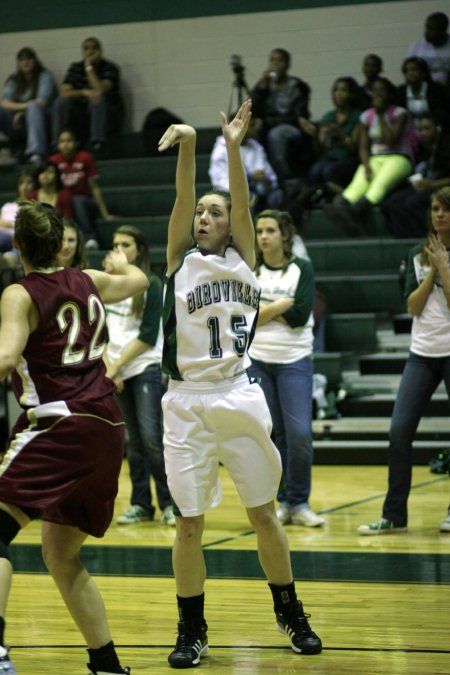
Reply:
x=207, y=423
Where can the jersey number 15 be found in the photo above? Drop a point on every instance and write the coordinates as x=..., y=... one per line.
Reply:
x=238, y=327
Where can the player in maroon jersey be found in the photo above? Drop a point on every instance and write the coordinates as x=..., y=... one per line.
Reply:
x=64, y=454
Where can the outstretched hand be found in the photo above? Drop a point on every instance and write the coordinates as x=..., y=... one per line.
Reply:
x=234, y=131
x=176, y=133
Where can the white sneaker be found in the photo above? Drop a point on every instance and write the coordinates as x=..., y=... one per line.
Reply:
x=135, y=514
x=381, y=526
x=283, y=513
x=445, y=525
x=35, y=159
x=307, y=517
x=167, y=516
x=6, y=666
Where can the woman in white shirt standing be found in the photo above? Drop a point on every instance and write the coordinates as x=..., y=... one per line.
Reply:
x=281, y=354
x=133, y=359
x=427, y=290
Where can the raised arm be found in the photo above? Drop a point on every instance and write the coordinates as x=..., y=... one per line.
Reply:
x=241, y=220
x=121, y=280
x=180, y=223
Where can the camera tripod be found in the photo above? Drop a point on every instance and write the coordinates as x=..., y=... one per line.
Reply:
x=239, y=89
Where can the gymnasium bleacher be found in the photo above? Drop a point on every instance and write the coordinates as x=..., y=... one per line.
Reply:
x=366, y=331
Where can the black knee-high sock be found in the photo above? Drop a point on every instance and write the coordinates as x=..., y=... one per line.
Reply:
x=284, y=598
x=191, y=610
x=2, y=631
x=105, y=658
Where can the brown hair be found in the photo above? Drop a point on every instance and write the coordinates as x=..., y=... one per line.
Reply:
x=220, y=193
x=39, y=233
x=23, y=175
x=443, y=197
x=19, y=78
x=287, y=229
x=79, y=258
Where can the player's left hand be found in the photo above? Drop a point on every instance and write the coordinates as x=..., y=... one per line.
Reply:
x=234, y=131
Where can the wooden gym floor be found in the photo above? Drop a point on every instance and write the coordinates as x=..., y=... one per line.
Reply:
x=380, y=604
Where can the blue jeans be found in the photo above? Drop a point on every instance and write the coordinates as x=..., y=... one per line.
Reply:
x=288, y=391
x=102, y=117
x=86, y=211
x=34, y=129
x=278, y=141
x=140, y=403
x=338, y=171
x=421, y=377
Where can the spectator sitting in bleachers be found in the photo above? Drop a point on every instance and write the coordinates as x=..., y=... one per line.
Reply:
x=420, y=95
x=24, y=106
x=372, y=67
x=79, y=175
x=386, y=158
x=8, y=212
x=337, y=137
x=51, y=191
x=434, y=47
x=72, y=253
x=405, y=209
x=90, y=95
x=263, y=183
x=281, y=101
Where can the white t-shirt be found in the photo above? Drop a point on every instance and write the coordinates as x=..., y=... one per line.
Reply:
x=277, y=342
x=123, y=328
x=254, y=159
x=430, y=334
x=437, y=58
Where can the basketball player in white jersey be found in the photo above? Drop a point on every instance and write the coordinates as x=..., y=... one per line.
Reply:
x=212, y=411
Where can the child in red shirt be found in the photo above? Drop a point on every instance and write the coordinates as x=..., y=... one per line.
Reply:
x=79, y=175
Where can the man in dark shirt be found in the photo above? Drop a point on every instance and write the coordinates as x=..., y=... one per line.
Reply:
x=89, y=95
x=281, y=101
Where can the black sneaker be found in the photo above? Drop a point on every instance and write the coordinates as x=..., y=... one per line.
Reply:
x=190, y=647
x=124, y=671
x=303, y=638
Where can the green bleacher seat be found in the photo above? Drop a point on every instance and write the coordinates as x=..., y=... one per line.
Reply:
x=361, y=293
x=320, y=227
x=358, y=255
x=142, y=200
x=145, y=171
x=330, y=365
x=356, y=331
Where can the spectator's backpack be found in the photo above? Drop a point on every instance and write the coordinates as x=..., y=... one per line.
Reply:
x=155, y=124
